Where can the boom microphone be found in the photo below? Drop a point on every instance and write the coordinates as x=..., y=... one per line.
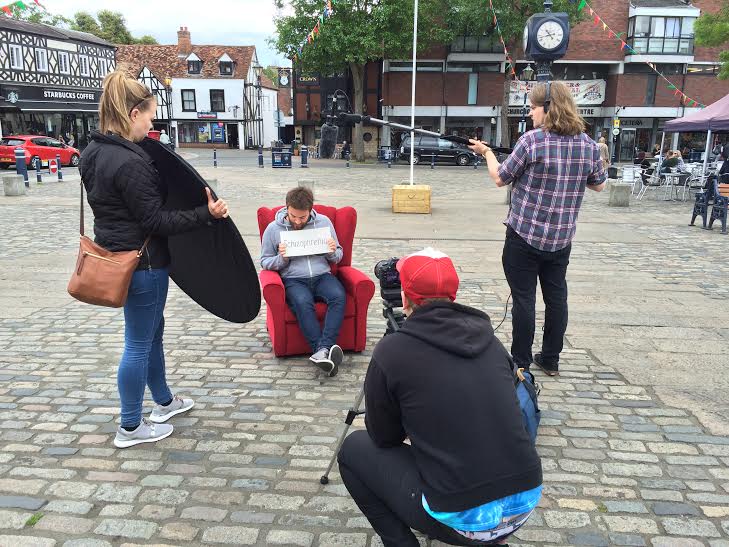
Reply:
x=354, y=118
x=328, y=141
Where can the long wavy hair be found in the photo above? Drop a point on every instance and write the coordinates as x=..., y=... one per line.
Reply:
x=562, y=117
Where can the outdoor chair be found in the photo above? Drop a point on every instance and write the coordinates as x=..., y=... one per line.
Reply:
x=631, y=175
x=649, y=178
x=720, y=206
x=281, y=323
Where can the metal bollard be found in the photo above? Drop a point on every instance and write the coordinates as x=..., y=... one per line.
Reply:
x=260, y=156
x=38, y=174
x=432, y=161
x=304, y=156
x=475, y=163
x=215, y=157
x=60, y=173
x=389, y=162
x=21, y=168
x=349, y=154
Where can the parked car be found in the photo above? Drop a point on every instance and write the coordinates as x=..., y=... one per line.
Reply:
x=427, y=148
x=36, y=146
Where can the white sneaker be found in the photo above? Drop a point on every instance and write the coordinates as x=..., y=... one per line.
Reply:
x=321, y=359
x=146, y=432
x=178, y=405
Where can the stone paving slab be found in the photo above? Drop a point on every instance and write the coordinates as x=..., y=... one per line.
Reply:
x=622, y=465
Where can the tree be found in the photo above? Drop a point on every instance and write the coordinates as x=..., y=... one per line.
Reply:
x=712, y=30
x=34, y=14
x=108, y=25
x=271, y=73
x=359, y=31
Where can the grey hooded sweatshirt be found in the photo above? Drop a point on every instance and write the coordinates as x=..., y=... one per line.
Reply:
x=297, y=266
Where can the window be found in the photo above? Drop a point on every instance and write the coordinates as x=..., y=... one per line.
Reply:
x=423, y=66
x=472, y=88
x=486, y=43
x=194, y=67
x=41, y=60
x=661, y=35
x=217, y=100
x=63, y=62
x=188, y=100
x=472, y=67
x=650, y=95
x=16, y=57
x=703, y=70
x=83, y=63
x=226, y=68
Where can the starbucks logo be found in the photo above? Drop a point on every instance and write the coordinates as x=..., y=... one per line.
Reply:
x=13, y=97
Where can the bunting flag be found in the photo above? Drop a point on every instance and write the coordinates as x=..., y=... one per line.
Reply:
x=624, y=46
x=7, y=8
x=327, y=12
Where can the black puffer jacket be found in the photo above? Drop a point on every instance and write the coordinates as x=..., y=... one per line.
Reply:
x=127, y=198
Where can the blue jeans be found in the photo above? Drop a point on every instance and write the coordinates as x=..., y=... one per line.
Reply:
x=143, y=360
x=302, y=292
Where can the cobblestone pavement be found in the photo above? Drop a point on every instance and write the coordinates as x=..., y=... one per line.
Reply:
x=631, y=438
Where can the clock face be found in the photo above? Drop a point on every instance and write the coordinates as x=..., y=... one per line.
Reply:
x=526, y=37
x=550, y=35
x=284, y=79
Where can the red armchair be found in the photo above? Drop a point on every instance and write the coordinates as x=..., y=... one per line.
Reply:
x=286, y=336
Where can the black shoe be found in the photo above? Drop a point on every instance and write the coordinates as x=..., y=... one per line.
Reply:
x=549, y=370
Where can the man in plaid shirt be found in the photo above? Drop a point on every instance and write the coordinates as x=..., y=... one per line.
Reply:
x=549, y=170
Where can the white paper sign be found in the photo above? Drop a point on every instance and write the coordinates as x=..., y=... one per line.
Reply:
x=306, y=242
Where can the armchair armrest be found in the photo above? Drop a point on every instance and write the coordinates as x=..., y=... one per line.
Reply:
x=273, y=287
x=356, y=284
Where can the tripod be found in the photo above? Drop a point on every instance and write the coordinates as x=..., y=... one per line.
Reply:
x=394, y=321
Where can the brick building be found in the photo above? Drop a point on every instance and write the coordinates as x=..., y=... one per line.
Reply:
x=460, y=87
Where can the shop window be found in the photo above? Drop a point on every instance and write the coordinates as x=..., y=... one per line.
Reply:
x=226, y=68
x=83, y=64
x=16, y=57
x=188, y=100
x=217, y=100
x=421, y=66
x=63, y=67
x=41, y=60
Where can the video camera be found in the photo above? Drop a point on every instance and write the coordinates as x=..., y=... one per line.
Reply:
x=390, y=287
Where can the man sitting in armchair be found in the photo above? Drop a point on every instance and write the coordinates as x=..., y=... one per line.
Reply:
x=308, y=278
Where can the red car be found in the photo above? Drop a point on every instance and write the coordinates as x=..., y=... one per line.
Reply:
x=36, y=146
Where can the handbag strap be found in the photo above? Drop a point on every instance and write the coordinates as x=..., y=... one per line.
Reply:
x=81, y=224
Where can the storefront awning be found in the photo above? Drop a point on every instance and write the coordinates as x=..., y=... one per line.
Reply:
x=49, y=106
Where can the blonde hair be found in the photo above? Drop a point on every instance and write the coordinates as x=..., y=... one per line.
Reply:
x=562, y=117
x=121, y=95
x=601, y=140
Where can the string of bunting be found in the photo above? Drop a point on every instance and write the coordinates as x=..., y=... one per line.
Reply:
x=598, y=21
x=314, y=34
x=20, y=4
x=510, y=64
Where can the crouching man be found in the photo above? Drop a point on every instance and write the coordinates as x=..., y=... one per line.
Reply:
x=470, y=474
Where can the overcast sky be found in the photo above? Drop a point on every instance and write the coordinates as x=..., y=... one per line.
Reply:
x=224, y=22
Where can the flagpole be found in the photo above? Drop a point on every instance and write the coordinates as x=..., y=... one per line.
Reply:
x=412, y=106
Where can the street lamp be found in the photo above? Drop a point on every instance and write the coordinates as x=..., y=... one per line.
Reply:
x=168, y=98
x=526, y=75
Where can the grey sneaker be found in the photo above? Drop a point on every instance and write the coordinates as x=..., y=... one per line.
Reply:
x=336, y=355
x=178, y=405
x=321, y=359
x=146, y=432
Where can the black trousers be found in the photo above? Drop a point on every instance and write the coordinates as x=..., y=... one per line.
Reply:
x=523, y=265
x=387, y=487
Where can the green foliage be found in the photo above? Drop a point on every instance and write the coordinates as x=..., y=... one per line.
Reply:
x=32, y=521
x=85, y=22
x=271, y=73
x=34, y=14
x=712, y=30
x=146, y=39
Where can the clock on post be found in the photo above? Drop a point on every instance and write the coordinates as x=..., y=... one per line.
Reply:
x=546, y=37
x=284, y=77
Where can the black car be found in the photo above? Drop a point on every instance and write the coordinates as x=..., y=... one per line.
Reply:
x=427, y=148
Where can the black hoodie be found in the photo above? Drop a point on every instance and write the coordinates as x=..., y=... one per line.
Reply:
x=445, y=382
x=127, y=198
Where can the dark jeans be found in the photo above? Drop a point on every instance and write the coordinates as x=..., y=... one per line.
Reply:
x=301, y=293
x=387, y=487
x=523, y=264
x=143, y=361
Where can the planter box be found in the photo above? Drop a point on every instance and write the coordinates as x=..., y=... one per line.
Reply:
x=13, y=185
x=411, y=199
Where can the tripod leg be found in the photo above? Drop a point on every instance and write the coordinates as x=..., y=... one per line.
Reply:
x=351, y=415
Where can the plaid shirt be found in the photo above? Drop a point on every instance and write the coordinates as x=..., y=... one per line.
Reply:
x=549, y=173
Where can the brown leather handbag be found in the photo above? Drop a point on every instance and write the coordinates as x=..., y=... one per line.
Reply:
x=102, y=277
